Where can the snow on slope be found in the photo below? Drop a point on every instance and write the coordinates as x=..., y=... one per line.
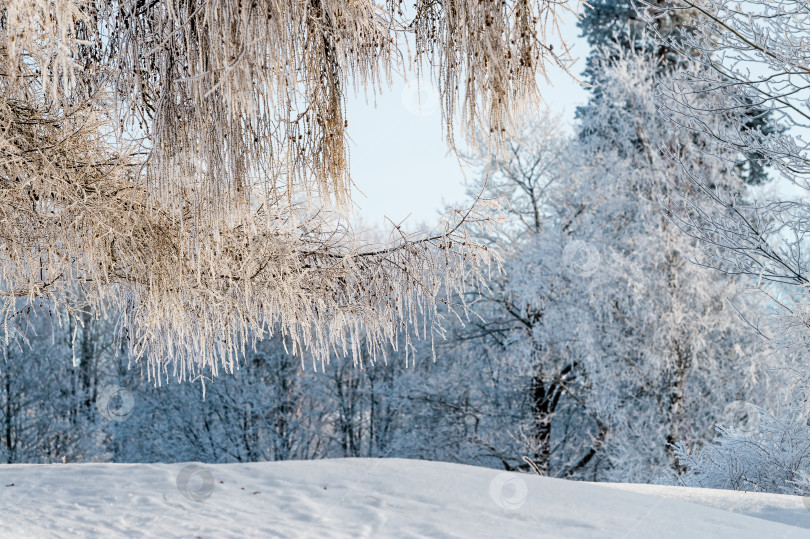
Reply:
x=793, y=510
x=367, y=498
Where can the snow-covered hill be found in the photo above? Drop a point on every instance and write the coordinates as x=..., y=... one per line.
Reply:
x=368, y=498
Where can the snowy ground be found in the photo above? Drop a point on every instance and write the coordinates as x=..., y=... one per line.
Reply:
x=369, y=498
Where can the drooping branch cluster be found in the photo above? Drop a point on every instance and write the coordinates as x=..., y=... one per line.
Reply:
x=75, y=228
x=240, y=100
x=175, y=160
x=488, y=55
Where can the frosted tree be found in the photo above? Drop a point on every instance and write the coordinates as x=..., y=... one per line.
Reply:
x=749, y=55
x=753, y=57
x=532, y=397
x=269, y=409
x=272, y=408
x=661, y=339
x=615, y=25
x=621, y=345
x=184, y=165
x=612, y=22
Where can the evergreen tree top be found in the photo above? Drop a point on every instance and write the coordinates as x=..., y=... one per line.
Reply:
x=606, y=21
x=611, y=26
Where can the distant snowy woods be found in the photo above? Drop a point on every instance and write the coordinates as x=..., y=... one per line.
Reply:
x=649, y=321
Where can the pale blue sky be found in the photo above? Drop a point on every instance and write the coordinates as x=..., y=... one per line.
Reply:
x=399, y=159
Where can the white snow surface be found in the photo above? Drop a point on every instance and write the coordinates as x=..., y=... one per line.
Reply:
x=370, y=498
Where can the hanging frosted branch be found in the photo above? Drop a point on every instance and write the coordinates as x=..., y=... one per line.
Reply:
x=75, y=229
x=185, y=164
x=244, y=101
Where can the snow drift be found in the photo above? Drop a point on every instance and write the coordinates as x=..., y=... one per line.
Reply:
x=369, y=498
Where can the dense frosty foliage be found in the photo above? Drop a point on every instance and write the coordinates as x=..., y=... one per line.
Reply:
x=768, y=452
x=744, y=58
